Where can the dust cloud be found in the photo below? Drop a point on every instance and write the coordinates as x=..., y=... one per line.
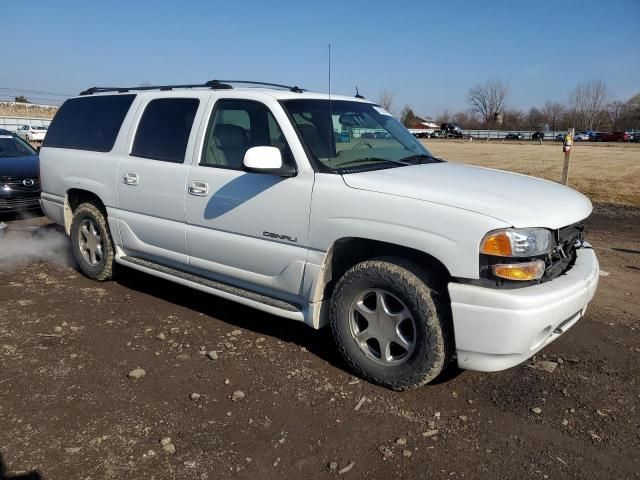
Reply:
x=20, y=245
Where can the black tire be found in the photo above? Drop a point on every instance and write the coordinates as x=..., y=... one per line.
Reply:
x=428, y=304
x=102, y=270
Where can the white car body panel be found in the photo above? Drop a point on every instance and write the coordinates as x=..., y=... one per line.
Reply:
x=244, y=211
x=519, y=200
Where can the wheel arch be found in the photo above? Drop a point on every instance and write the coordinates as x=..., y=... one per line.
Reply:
x=346, y=252
x=73, y=198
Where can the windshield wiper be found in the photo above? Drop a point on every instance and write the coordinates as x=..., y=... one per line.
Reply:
x=374, y=159
x=422, y=156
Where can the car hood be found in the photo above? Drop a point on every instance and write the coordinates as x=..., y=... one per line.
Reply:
x=19, y=166
x=518, y=200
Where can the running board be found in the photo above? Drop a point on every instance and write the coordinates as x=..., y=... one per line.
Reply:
x=256, y=300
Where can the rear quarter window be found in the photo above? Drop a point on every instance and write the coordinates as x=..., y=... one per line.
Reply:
x=88, y=123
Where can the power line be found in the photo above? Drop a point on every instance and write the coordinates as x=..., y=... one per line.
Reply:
x=38, y=92
x=10, y=98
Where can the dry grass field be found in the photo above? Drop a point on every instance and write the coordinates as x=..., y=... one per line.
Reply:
x=608, y=173
x=14, y=109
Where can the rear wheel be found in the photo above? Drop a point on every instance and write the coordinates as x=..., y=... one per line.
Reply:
x=91, y=242
x=391, y=324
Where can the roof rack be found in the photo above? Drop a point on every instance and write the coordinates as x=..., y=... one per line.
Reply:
x=212, y=84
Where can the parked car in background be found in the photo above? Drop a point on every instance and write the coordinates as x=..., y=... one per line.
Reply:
x=581, y=137
x=591, y=134
x=376, y=135
x=615, y=137
x=19, y=182
x=514, y=136
x=635, y=138
x=31, y=133
x=382, y=135
x=597, y=136
x=539, y=135
x=450, y=130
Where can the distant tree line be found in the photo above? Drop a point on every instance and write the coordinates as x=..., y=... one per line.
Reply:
x=588, y=107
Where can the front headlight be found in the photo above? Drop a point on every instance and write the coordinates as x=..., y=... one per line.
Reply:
x=518, y=242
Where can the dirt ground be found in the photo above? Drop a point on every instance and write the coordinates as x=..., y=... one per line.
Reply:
x=68, y=409
x=606, y=172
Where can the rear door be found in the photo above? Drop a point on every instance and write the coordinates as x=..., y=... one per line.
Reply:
x=152, y=177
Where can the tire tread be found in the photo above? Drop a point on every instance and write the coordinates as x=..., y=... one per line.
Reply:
x=424, y=291
x=99, y=216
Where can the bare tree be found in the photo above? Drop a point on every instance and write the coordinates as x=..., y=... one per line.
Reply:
x=488, y=99
x=552, y=112
x=535, y=119
x=616, y=112
x=445, y=117
x=632, y=115
x=407, y=117
x=513, y=119
x=385, y=100
x=467, y=120
x=587, y=103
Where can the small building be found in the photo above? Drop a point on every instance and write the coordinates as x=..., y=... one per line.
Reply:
x=423, y=124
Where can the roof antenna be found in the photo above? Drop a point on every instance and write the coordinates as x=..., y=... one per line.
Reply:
x=330, y=125
x=358, y=94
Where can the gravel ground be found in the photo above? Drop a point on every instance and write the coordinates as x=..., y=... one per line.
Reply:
x=141, y=378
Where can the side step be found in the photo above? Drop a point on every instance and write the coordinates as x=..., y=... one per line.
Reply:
x=256, y=300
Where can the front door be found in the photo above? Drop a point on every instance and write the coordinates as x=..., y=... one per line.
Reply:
x=250, y=229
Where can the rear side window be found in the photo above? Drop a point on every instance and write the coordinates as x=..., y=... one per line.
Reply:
x=163, y=132
x=88, y=123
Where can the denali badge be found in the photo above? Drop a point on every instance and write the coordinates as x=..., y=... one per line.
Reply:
x=280, y=237
x=28, y=182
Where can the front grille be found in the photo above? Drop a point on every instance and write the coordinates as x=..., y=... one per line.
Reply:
x=562, y=258
x=19, y=203
x=17, y=184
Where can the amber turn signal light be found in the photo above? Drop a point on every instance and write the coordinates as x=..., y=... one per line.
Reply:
x=497, y=243
x=520, y=271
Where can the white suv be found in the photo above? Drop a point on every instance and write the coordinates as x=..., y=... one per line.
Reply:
x=321, y=209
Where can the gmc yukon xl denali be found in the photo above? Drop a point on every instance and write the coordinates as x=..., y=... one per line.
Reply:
x=325, y=210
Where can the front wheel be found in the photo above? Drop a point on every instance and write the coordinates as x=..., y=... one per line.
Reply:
x=91, y=242
x=391, y=323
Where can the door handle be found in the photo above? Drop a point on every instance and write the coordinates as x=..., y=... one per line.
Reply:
x=199, y=189
x=131, y=179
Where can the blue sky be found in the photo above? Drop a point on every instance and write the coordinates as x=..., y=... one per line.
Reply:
x=427, y=53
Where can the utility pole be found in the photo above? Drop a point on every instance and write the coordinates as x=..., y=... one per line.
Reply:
x=566, y=148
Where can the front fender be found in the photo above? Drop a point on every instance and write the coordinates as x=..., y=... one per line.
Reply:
x=449, y=234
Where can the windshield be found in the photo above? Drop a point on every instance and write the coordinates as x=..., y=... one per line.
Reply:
x=11, y=146
x=359, y=136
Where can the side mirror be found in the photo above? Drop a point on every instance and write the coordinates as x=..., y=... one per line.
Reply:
x=266, y=160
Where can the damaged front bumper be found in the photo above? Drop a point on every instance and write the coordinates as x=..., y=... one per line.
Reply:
x=497, y=329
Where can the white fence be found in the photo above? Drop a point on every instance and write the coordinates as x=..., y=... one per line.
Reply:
x=498, y=134
x=13, y=123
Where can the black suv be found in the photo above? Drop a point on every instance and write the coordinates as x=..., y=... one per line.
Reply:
x=450, y=130
x=19, y=179
x=539, y=135
x=514, y=136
